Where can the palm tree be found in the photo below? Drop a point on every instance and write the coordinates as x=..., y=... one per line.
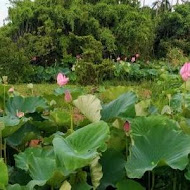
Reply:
x=162, y=6
x=143, y=3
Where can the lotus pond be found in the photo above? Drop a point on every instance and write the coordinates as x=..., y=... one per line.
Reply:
x=121, y=137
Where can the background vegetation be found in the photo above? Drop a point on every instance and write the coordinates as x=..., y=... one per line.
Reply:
x=44, y=36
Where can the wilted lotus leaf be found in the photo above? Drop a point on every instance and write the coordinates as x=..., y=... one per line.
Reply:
x=90, y=106
x=142, y=107
x=65, y=186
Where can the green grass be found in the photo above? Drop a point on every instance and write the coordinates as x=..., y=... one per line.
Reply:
x=158, y=93
x=39, y=89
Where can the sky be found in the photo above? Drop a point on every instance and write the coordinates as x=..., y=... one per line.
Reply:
x=5, y=3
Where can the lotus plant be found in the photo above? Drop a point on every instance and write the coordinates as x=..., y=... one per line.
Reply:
x=62, y=79
x=68, y=99
x=68, y=96
x=11, y=90
x=118, y=59
x=127, y=127
x=133, y=59
x=137, y=55
x=185, y=71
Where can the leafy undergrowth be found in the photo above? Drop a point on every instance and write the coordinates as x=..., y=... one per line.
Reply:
x=124, y=137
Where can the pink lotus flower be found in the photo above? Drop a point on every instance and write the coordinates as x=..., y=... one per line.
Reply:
x=78, y=57
x=118, y=59
x=185, y=71
x=137, y=55
x=11, y=90
x=68, y=96
x=133, y=59
x=20, y=114
x=127, y=127
x=62, y=79
x=34, y=143
x=34, y=58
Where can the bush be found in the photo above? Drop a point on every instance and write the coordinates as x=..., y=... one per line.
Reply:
x=14, y=63
x=90, y=73
x=176, y=57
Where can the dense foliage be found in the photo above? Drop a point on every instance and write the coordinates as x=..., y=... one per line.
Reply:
x=54, y=32
x=114, y=138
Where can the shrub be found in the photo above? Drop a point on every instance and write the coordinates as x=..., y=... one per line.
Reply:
x=176, y=57
x=90, y=73
x=14, y=63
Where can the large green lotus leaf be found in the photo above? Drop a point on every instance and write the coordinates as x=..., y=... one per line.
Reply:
x=62, y=118
x=29, y=186
x=117, y=139
x=18, y=176
x=46, y=125
x=81, y=186
x=40, y=163
x=26, y=105
x=90, y=106
x=113, y=166
x=16, y=187
x=128, y=184
x=156, y=141
x=3, y=174
x=181, y=102
x=81, y=147
x=33, y=159
x=123, y=106
x=75, y=92
x=12, y=124
x=185, y=125
x=26, y=133
x=114, y=92
x=59, y=100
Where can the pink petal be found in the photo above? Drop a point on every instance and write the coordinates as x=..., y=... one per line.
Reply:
x=62, y=79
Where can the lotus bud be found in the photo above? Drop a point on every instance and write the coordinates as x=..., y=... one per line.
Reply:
x=127, y=126
x=20, y=114
x=68, y=96
x=5, y=79
x=11, y=90
x=133, y=59
x=52, y=103
x=118, y=59
x=34, y=143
